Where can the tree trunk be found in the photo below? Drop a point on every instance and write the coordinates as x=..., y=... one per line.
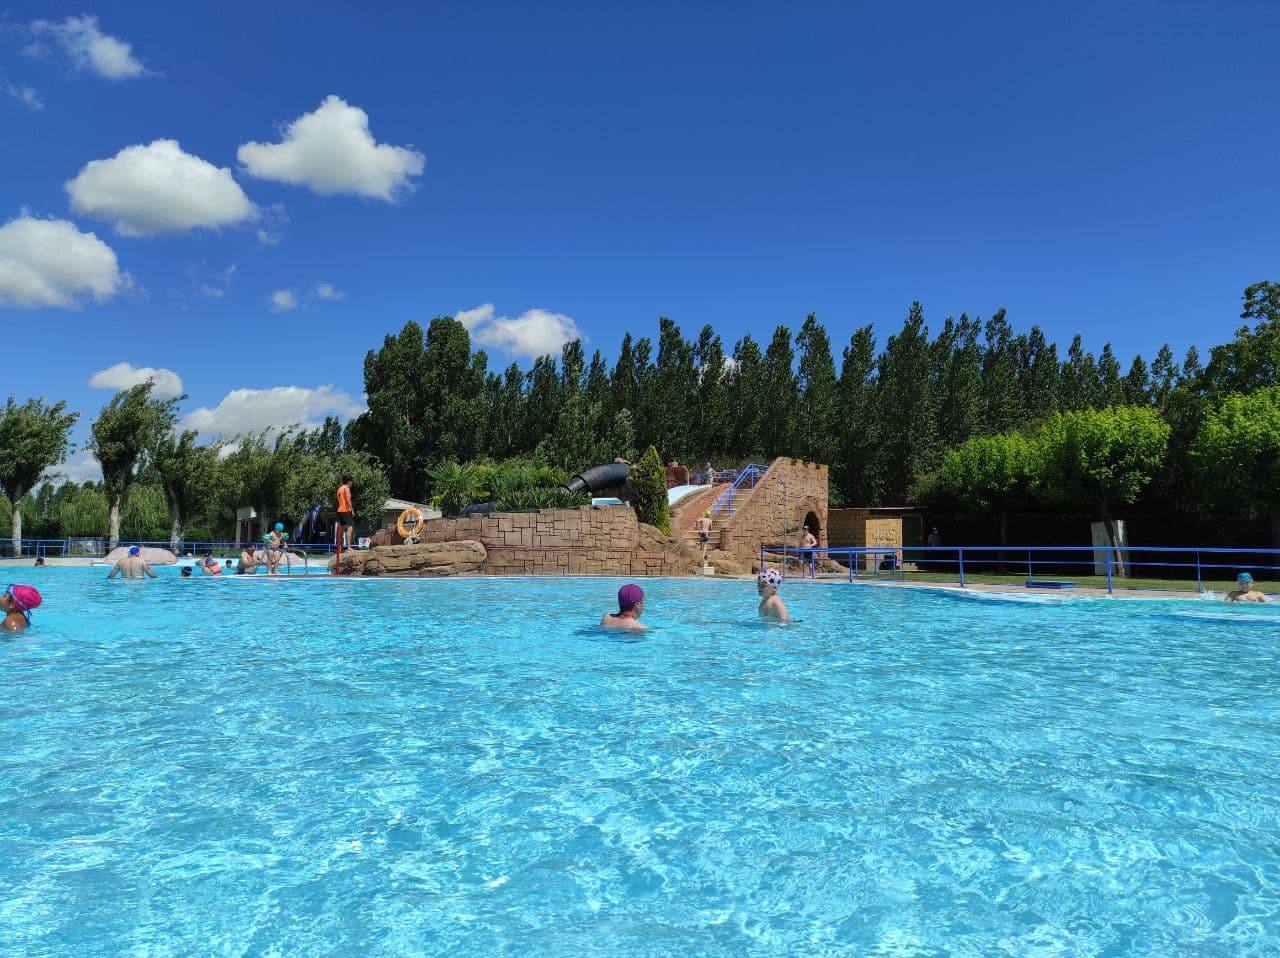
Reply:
x=113, y=525
x=175, y=528
x=16, y=533
x=1110, y=525
x=1275, y=525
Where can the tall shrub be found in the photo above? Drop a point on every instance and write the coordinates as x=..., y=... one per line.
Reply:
x=648, y=485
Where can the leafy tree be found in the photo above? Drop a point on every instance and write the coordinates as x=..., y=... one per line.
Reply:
x=33, y=438
x=187, y=472
x=1252, y=359
x=648, y=490
x=817, y=424
x=713, y=423
x=1101, y=458
x=781, y=395
x=1039, y=375
x=747, y=385
x=1002, y=397
x=1079, y=379
x=1237, y=453
x=1136, y=385
x=1110, y=385
x=856, y=475
x=986, y=476
x=395, y=426
x=675, y=384
x=125, y=432
x=1164, y=374
x=908, y=447
x=959, y=377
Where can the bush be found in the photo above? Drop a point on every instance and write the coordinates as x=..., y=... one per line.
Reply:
x=648, y=485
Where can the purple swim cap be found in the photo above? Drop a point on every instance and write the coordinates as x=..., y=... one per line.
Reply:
x=629, y=596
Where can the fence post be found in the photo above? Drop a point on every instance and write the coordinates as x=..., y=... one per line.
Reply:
x=1108, y=555
x=1199, y=584
x=961, y=552
x=850, y=565
x=1029, y=575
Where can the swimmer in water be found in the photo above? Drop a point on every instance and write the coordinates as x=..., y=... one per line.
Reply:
x=209, y=566
x=771, y=605
x=16, y=603
x=131, y=566
x=1243, y=591
x=630, y=608
x=248, y=560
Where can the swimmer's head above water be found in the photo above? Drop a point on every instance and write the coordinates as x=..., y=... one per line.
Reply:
x=630, y=599
x=768, y=581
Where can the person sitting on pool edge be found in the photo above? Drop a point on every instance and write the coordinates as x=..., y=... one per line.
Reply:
x=16, y=603
x=630, y=608
x=132, y=566
x=771, y=605
x=1243, y=591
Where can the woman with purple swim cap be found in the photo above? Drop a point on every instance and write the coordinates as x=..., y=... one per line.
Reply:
x=630, y=607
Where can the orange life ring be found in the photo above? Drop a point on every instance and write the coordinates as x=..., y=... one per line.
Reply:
x=410, y=522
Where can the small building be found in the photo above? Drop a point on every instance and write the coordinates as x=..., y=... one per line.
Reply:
x=392, y=508
x=898, y=527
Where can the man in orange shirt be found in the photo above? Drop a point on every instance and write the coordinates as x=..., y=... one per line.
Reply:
x=346, y=515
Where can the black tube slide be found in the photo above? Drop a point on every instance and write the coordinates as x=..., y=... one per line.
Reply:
x=609, y=476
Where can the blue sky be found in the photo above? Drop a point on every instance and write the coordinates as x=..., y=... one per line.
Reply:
x=1108, y=168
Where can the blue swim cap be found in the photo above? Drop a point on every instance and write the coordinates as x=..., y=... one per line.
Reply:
x=1244, y=577
x=279, y=527
x=133, y=550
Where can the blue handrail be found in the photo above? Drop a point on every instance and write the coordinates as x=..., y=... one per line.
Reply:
x=94, y=547
x=746, y=478
x=962, y=559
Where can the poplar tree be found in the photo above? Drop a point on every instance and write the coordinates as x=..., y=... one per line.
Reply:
x=817, y=424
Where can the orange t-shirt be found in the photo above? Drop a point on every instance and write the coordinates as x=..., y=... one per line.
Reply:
x=344, y=499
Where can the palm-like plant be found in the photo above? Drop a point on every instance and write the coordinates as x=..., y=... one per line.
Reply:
x=457, y=486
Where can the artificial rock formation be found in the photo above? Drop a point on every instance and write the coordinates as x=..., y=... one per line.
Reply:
x=463, y=557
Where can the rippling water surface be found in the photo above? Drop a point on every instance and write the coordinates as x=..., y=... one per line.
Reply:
x=468, y=768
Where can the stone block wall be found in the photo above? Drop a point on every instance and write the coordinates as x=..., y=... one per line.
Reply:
x=865, y=527
x=585, y=541
x=789, y=491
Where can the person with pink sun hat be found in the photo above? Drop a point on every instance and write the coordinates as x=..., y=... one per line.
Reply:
x=16, y=603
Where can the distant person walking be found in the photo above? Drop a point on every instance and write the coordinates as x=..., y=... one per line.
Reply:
x=346, y=516
x=703, y=525
x=935, y=538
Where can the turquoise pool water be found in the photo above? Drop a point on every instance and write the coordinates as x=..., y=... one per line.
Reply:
x=323, y=767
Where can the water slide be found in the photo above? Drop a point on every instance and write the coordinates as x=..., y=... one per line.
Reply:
x=611, y=475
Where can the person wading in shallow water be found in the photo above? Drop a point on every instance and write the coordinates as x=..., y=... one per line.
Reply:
x=630, y=608
x=771, y=605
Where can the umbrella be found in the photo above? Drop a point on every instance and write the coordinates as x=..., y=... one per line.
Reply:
x=148, y=555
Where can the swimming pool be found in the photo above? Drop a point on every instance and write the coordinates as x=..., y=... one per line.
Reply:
x=395, y=767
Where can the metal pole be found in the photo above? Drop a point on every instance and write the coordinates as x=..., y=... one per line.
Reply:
x=1199, y=584
x=1029, y=576
x=961, y=551
x=1108, y=555
x=850, y=565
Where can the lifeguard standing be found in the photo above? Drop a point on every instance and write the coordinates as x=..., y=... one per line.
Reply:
x=346, y=516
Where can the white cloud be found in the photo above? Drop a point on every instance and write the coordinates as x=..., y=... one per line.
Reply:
x=80, y=466
x=283, y=300
x=332, y=151
x=23, y=93
x=535, y=332
x=158, y=188
x=51, y=263
x=253, y=410
x=90, y=49
x=326, y=291
x=168, y=384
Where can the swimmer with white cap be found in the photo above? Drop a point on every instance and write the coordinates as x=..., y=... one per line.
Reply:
x=771, y=605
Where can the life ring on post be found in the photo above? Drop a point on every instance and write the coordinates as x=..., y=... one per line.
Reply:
x=410, y=523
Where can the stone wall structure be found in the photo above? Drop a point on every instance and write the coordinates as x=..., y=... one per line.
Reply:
x=867, y=527
x=585, y=541
x=790, y=492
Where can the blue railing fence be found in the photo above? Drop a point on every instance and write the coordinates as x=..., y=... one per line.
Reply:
x=746, y=478
x=91, y=548
x=1117, y=564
